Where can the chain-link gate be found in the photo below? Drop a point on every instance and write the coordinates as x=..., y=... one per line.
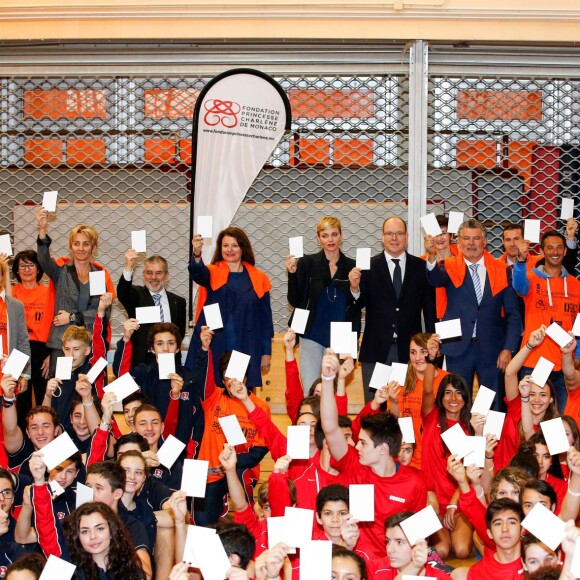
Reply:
x=501, y=146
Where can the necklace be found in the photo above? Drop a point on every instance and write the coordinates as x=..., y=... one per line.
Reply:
x=333, y=299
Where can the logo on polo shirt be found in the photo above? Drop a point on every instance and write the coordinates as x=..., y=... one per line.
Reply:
x=399, y=499
x=158, y=473
x=184, y=396
x=61, y=515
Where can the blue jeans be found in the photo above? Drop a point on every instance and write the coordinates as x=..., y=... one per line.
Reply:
x=311, y=354
x=557, y=378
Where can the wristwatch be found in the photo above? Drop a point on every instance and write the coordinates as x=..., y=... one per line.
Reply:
x=72, y=317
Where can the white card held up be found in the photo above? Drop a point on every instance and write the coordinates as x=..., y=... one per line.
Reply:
x=192, y=539
x=296, y=246
x=316, y=560
x=398, y=373
x=148, y=314
x=139, y=240
x=15, y=364
x=421, y=525
x=430, y=225
x=56, y=488
x=278, y=531
x=448, y=328
x=166, y=364
x=541, y=372
x=361, y=501
x=57, y=568
x=97, y=283
x=299, y=521
x=483, y=401
x=558, y=334
x=457, y=441
x=58, y=450
x=494, y=423
x=300, y=320
x=84, y=494
x=555, y=435
x=407, y=429
x=363, y=258
x=532, y=231
x=298, y=441
x=213, y=316
x=194, y=478
x=211, y=557
x=171, y=449
x=455, y=220
x=6, y=245
x=576, y=327
x=205, y=226
x=567, y=210
x=477, y=454
x=341, y=337
x=353, y=345
x=545, y=525
x=99, y=366
x=49, y=200
x=232, y=430
x=124, y=386
x=63, y=368
x=381, y=376
x=237, y=366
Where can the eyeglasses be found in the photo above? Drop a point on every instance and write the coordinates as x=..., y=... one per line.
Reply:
x=23, y=266
x=7, y=493
x=394, y=234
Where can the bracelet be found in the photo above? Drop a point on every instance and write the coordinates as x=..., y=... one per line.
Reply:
x=529, y=346
x=88, y=404
x=525, y=399
x=196, y=256
x=7, y=400
x=431, y=361
x=572, y=493
x=329, y=378
x=451, y=505
x=489, y=457
x=478, y=495
x=174, y=398
x=7, y=404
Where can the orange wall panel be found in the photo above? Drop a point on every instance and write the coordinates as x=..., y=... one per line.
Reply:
x=86, y=152
x=477, y=154
x=160, y=151
x=310, y=152
x=44, y=152
x=331, y=104
x=65, y=104
x=170, y=103
x=353, y=152
x=499, y=105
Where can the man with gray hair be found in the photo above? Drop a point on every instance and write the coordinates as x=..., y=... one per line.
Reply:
x=153, y=293
x=479, y=293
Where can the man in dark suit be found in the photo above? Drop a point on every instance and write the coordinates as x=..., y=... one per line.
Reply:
x=395, y=294
x=480, y=294
x=155, y=277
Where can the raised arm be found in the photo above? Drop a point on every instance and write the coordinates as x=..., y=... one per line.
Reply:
x=13, y=436
x=517, y=362
x=570, y=367
x=428, y=400
x=228, y=460
x=328, y=410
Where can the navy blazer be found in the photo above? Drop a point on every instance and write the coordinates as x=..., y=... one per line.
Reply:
x=386, y=315
x=498, y=317
x=131, y=297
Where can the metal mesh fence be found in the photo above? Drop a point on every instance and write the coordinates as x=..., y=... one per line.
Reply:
x=502, y=146
x=118, y=151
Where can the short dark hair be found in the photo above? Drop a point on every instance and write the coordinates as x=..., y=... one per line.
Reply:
x=344, y=422
x=132, y=438
x=137, y=396
x=160, y=327
x=110, y=471
x=526, y=461
x=442, y=220
x=332, y=492
x=159, y=259
x=396, y=519
x=341, y=552
x=76, y=458
x=314, y=403
x=76, y=401
x=501, y=505
x=384, y=428
x=552, y=234
x=5, y=474
x=547, y=572
x=143, y=409
x=27, y=256
x=513, y=226
x=243, y=241
x=543, y=488
x=236, y=539
x=33, y=563
x=41, y=409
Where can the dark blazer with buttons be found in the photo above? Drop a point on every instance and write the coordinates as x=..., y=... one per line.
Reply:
x=131, y=297
x=498, y=317
x=386, y=315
